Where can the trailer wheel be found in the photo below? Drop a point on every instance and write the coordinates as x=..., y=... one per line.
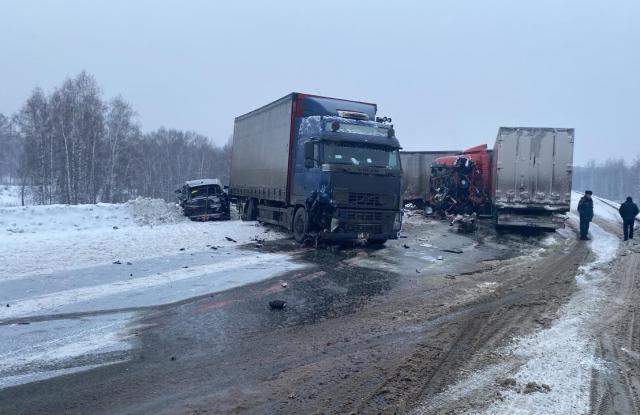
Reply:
x=248, y=210
x=300, y=224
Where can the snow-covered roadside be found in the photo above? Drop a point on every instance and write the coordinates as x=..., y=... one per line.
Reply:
x=561, y=356
x=46, y=239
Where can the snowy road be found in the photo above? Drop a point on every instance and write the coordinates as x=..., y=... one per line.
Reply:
x=74, y=279
x=569, y=357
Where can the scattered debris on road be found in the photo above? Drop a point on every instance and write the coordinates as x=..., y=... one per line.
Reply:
x=117, y=262
x=277, y=304
x=534, y=387
x=506, y=382
x=453, y=251
x=230, y=239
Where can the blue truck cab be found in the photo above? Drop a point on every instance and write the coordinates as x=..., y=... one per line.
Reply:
x=323, y=168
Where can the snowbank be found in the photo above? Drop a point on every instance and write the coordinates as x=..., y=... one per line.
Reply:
x=46, y=239
x=63, y=218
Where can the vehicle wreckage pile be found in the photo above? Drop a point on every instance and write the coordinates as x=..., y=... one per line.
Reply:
x=461, y=184
x=524, y=181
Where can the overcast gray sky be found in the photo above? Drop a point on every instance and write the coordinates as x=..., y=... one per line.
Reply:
x=449, y=73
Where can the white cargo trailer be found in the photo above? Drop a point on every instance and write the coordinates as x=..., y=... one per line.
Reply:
x=532, y=169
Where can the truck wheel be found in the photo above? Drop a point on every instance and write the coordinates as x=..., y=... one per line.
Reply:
x=300, y=225
x=248, y=210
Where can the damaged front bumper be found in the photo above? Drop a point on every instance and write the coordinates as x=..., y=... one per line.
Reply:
x=349, y=224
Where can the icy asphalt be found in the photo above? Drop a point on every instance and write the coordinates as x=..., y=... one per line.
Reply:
x=75, y=279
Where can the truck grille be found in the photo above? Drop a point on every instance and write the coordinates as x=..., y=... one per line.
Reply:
x=365, y=199
x=354, y=215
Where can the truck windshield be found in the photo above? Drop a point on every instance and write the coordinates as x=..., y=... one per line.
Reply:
x=357, y=128
x=359, y=155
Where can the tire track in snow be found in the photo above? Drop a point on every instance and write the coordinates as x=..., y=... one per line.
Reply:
x=562, y=356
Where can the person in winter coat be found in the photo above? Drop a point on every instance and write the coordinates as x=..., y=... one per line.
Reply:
x=585, y=209
x=628, y=211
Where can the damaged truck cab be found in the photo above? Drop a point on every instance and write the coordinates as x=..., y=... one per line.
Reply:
x=320, y=167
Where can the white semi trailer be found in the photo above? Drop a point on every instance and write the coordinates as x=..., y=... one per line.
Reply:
x=532, y=170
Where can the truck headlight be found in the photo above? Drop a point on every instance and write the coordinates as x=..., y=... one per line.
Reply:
x=397, y=222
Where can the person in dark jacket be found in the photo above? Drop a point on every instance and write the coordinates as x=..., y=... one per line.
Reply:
x=585, y=209
x=628, y=211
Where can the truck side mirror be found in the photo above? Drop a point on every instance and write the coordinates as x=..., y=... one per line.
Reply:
x=308, y=154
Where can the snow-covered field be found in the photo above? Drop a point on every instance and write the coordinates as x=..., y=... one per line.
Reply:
x=61, y=264
x=10, y=195
x=45, y=239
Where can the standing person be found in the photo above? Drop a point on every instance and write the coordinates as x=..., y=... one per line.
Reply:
x=628, y=211
x=585, y=209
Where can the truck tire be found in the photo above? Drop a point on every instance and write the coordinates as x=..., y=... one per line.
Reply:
x=248, y=210
x=300, y=224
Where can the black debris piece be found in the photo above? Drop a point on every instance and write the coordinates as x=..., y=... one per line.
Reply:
x=230, y=239
x=115, y=227
x=405, y=246
x=182, y=249
x=506, y=382
x=214, y=247
x=117, y=262
x=453, y=250
x=277, y=304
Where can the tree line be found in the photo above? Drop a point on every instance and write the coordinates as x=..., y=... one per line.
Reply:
x=72, y=146
x=613, y=179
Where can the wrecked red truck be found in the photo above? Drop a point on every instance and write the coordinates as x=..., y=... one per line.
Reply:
x=524, y=181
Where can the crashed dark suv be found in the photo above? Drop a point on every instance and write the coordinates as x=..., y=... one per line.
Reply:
x=204, y=199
